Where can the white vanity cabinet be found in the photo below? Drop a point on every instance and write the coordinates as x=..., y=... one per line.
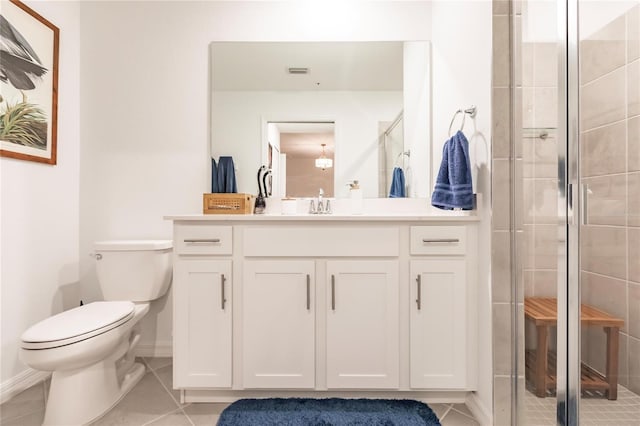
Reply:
x=202, y=307
x=362, y=320
x=323, y=305
x=442, y=311
x=278, y=324
x=202, y=326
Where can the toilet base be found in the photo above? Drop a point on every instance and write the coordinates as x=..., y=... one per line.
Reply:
x=79, y=397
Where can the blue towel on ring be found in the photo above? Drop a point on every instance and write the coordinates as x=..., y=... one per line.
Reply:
x=453, y=187
x=397, y=184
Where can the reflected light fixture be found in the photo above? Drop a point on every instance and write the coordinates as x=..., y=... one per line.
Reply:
x=323, y=162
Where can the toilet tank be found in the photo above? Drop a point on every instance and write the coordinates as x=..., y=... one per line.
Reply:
x=135, y=270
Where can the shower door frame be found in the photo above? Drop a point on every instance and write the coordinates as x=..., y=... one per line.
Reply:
x=569, y=216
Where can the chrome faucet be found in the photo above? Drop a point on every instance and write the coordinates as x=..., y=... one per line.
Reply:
x=322, y=208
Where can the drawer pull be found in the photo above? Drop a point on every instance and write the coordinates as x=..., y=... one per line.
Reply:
x=222, y=296
x=203, y=241
x=440, y=240
x=419, y=288
x=333, y=292
x=308, y=292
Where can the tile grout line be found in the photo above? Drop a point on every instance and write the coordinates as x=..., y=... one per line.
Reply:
x=464, y=414
x=180, y=407
x=168, y=414
x=446, y=411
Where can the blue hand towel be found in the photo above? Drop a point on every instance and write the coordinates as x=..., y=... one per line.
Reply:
x=453, y=187
x=397, y=184
x=215, y=188
x=227, y=175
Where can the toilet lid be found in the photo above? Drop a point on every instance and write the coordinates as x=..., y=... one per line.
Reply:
x=77, y=324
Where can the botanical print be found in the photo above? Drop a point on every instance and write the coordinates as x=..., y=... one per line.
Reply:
x=28, y=74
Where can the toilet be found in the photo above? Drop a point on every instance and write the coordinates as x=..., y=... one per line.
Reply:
x=91, y=349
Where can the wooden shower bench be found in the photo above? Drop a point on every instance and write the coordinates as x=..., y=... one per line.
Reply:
x=540, y=364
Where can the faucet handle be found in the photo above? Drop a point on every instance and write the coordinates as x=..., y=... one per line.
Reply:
x=312, y=207
x=327, y=208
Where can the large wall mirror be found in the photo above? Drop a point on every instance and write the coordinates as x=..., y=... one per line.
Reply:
x=289, y=105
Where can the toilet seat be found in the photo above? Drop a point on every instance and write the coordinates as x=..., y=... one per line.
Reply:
x=77, y=324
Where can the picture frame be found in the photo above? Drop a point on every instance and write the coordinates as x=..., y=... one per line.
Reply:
x=29, y=52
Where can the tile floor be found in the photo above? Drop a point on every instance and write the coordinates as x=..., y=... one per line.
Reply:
x=153, y=402
x=594, y=409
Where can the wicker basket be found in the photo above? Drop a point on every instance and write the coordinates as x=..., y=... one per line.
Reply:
x=227, y=203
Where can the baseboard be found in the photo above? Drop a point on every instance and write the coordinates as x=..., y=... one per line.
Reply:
x=158, y=349
x=21, y=382
x=480, y=412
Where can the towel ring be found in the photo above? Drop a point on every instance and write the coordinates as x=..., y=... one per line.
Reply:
x=470, y=111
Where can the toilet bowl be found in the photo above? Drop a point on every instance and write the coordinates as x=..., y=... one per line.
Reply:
x=91, y=349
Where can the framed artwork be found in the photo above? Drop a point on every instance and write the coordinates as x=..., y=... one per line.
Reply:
x=28, y=84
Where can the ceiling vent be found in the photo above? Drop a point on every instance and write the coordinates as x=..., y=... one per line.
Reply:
x=298, y=70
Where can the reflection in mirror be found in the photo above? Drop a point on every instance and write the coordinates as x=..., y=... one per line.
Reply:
x=302, y=158
x=360, y=87
x=392, y=155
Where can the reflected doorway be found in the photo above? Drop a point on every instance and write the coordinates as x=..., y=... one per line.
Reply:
x=302, y=157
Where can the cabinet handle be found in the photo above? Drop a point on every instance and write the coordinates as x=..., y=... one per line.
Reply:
x=419, y=288
x=308, y=292
x=203, y=241
x=222, y=298
x=441, y=240
x=333, y=292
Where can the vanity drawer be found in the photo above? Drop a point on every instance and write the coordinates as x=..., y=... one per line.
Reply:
x=322, y=241
x=438, y=240
x=203, y=239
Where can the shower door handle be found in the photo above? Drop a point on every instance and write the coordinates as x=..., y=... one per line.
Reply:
x=584, y=204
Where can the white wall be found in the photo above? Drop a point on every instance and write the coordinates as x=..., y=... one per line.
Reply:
x=461, y=69
x=237, y=120
x=40, y=214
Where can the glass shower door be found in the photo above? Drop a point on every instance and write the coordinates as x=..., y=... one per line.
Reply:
x=609, y=230
x=576, y=104
x=541, y=252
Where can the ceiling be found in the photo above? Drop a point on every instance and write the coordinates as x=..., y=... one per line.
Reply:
x=332, y=65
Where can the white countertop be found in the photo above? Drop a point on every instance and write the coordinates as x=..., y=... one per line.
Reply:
x=452, y=217
x=374, y=209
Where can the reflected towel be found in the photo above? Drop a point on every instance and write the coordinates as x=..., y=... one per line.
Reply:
x=453, y=189
x=215, y=188
x=397, y=184
x=227, y=175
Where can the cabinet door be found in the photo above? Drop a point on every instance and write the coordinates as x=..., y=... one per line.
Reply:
x=362, y=324
x=202, y=323
x=278, y=324
x=438, y=324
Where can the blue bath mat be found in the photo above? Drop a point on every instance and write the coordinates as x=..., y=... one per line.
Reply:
x=327, y=412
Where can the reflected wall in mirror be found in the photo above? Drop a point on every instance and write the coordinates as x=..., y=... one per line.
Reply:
x=361, y=87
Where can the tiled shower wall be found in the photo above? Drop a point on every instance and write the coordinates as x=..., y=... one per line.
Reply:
x=501, y=238
x=610, y=166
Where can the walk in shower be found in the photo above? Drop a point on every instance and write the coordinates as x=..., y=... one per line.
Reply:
x=575, y=205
